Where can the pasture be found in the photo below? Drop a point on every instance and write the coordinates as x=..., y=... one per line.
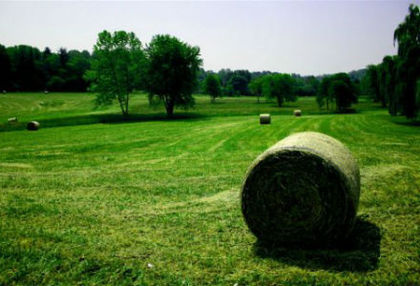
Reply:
x=90, y=199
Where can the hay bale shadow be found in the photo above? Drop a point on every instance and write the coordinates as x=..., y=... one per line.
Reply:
x=359, y=253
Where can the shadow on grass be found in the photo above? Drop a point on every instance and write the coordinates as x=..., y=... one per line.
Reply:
x=401, y=120
x=359, y=253
x=101, y=118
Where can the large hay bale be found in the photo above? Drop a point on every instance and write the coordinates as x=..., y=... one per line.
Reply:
x=303, y=191
x=265, y=118
x=297, y=112
x=33, y=125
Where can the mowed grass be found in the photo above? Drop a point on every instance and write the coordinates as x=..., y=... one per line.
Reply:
x=93, y=200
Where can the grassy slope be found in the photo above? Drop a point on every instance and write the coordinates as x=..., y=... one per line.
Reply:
x=95, y=203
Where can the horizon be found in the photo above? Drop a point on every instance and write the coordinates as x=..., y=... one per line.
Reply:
x=343, y=36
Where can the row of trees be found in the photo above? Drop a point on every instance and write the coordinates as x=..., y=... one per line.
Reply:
x=167, y=69
x=338, y=88
x=25, y=68
x=395, y=82
x=239, y=82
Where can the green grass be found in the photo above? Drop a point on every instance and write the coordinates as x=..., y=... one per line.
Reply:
x=91, y=203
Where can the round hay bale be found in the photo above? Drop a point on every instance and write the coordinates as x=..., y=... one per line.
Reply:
x=33, y=125
x=46, y=91
x=297, y=112
x=265, y=118
x=303, y=191
x=4, y=91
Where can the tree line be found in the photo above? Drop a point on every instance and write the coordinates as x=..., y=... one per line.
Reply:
x=395, y=82
x=169, y=70
x=26, y=68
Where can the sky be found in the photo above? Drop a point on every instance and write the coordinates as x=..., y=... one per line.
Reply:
x=305, y=37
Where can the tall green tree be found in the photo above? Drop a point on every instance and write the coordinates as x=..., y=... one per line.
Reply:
x=256, y=87
x=172, y=71
x=5, y=69
x=117, y=68
x=407, y=35
x=212, y=86
x=337, y=88
x=280, y=87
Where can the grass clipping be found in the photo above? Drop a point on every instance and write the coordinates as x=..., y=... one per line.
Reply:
x=303, y=191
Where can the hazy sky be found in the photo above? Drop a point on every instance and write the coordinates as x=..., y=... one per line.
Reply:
x=306, y=37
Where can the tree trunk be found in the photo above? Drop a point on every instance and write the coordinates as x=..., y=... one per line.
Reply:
x=169, y=105
x=124, y=107
x=279, y=101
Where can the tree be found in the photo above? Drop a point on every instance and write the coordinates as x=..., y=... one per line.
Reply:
x=337, y=88
x=372, y=79
x=279, y=86
x=172, y=71
x=5, y=69
x=407, y=35
x=117, y=66
x=212, y=86
x=256, y=87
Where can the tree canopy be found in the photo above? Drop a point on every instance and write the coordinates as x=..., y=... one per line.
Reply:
x=117, y=68
x=212, y=86
x=337, y=88
x=280, y=87
x=172, y=71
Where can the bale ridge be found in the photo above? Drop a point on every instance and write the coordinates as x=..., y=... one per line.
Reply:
x=303, y=191
x=265, y=118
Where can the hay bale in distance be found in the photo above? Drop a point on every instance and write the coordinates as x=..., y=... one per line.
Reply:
x=33, y=125
x=265, y=118
x=46, y=91
x=4, y=91
x=12, y=120
x=297, y=112
x=303, y=192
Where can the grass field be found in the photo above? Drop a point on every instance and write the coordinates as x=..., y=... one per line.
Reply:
x=92, y=200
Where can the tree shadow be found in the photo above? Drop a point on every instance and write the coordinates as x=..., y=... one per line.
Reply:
x=102, y=118
x=400, y=120
x=359, y=253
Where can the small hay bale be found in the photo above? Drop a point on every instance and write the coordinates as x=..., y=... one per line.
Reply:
x=303, y=191
x=46, y=91
x=297, y=112
x=12, y=120
x=265, y=118
x=33, y=125
x=4, y=92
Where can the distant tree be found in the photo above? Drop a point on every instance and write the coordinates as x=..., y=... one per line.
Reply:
x=212, y=86
x=239, y=84
x=5, y=69
x=337, y=88
x=26, y=68
x=373, y=83
x=342, y=93
x=172, y=71
x=77, y=64
x=279, y=86
x=224, y=76
x=256, y=87
x=117, y=68
x=323, y=97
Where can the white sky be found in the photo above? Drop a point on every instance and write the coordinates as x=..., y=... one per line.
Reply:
x=306, y=37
